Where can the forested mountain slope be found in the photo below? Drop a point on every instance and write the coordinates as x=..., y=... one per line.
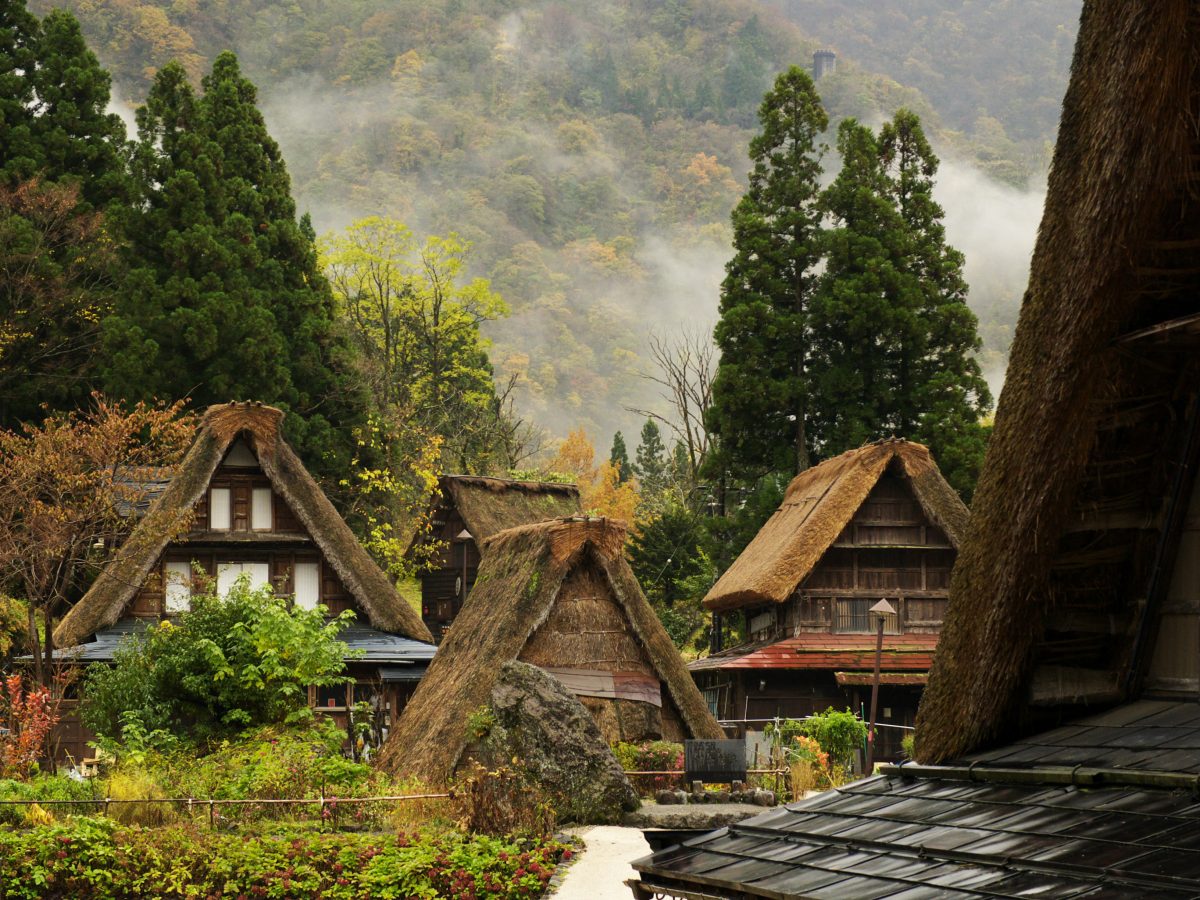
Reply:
x=590, y=152
x=994, y=71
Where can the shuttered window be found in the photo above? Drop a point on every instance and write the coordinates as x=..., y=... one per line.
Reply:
x=177, y=587
x=308, y=584
x=220, y=516
x=260, y=509
x=229, y=572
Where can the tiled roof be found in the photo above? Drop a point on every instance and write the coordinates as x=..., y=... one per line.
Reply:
x=910, y=652
x=1105, y=808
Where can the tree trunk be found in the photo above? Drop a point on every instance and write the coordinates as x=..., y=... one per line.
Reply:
x=34, y=646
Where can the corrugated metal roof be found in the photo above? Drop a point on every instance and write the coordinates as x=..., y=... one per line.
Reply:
x=912, y=652
x=1025, y=820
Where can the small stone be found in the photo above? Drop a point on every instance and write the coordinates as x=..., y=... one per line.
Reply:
x=720, y=796
x=765, y=798
x=666, y=797
x=697, y=787
x=681, y=797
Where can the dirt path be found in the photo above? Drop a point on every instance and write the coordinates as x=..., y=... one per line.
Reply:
x=603, y=867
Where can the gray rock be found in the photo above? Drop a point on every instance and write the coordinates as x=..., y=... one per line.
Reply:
x=681, y=797
x=706, y=816
x=764, y=798
x=719, y=797
x=665, y=797
x=697, y=787
x=559, y=745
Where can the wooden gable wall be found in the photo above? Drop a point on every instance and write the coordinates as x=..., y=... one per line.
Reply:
x=285, y=544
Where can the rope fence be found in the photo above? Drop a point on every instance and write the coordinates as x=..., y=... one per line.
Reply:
x=192, y=804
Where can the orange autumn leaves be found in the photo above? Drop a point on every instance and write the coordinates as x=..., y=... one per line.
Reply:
x=602, y=493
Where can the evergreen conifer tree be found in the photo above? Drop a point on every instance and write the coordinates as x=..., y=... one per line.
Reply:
x=864, y=313
x=19, y=32
x=761, y=397
x=650, y=461
x=619, y=457
x=62, y=160
x=224, y=300
x=948, y=394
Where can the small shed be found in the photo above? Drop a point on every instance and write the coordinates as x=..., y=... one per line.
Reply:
x=558, y=595
x=465, y=511
x=876, y=522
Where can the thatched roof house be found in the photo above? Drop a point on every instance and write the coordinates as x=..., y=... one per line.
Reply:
x=876, y=521
x=561, y=596
x=817, y=507
x=1075, y=602
x=488, y=506
x=465, y=511
x=1064, y=579
x=303, y=505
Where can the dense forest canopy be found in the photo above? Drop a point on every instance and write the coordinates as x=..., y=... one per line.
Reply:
x=590, y=154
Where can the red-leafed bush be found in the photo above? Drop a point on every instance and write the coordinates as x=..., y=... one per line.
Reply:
x=27, y=714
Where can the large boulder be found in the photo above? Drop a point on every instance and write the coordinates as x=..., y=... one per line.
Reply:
x=560, y=747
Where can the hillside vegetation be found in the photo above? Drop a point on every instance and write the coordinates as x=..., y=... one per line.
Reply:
x=590, y=153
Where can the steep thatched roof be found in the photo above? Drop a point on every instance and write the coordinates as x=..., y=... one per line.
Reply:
x=1090, y=433
x=220, y=426
x=519, y=581
x=491, y=505
x=819, y=503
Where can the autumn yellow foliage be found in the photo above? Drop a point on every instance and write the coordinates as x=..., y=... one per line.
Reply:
x=601, y=490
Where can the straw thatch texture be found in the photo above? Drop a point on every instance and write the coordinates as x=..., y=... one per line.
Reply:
x=526, y=573
x=123, y=576
x=491, y=505
x=819, y=503
x=1125, y=150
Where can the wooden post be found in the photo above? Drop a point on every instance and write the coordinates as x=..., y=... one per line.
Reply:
x=881, y=611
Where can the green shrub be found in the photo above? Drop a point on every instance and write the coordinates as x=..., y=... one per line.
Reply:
x=650, y=756
x=43, y=788
x=230, y=663
x=840, y=734
x=94, y=859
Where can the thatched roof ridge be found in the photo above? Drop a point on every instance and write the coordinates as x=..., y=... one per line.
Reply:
x=522, y=572
x=219, y=427
x=1122, y=159
x=817, y=506
x=491, y=505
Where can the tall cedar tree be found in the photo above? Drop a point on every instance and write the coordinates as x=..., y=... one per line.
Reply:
x=762, y=400
x=618, y=456
x=865, y=313
x=650, y=462
x=62, y=161
x=893, y=337
x=224, y=300
x=950, y=394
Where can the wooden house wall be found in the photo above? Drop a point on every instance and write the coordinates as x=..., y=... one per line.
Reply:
x=440, y=602
x=889, y=549
x=747, y=700
x=588, y=629
x=1175, y=664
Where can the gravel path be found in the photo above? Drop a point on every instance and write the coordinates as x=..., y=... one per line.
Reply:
x=601, y=870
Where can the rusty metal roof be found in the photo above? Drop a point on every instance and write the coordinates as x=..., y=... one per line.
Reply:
x=911, y=652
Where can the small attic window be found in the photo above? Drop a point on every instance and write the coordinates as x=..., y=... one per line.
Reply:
x=240, y=456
